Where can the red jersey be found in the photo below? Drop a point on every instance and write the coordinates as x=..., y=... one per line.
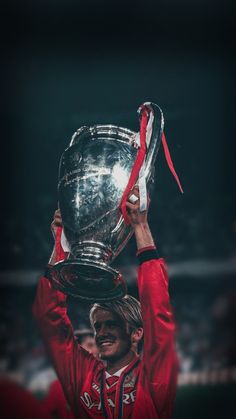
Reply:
x=146, y=388
x=55, y=402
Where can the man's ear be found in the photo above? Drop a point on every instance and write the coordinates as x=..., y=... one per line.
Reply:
x=137, y=335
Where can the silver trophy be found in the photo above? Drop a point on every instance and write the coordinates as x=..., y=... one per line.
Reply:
x=94, y=172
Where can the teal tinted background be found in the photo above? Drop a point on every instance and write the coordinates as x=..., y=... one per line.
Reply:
x=68, y=65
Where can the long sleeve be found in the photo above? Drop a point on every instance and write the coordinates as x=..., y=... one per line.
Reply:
x=159, y=359
x=71, y=362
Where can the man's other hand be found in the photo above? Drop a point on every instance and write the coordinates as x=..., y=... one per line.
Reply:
x=57, y=222
x=135, y=215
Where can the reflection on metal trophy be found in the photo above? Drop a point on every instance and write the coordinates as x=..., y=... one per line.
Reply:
x=93, y=175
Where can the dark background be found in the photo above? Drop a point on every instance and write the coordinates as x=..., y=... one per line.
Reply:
x=68, y=64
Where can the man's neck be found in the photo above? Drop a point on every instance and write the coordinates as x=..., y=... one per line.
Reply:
x=113, y=366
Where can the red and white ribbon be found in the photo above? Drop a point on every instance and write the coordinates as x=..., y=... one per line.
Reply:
x=142, y=179
x=64, y=242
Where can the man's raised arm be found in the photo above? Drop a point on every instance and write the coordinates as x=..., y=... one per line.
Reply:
x=159, y=374
x=71, y=362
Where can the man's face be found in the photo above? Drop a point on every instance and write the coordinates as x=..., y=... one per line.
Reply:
x=112, y=340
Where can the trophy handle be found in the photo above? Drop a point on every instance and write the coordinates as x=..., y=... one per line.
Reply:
x=156, y=136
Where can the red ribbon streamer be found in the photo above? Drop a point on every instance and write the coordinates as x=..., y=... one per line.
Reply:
x=169, y=161
x=139, y=161
x=60, y=254
x=137, y=164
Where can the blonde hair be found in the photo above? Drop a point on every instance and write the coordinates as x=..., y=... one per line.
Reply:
x=127, y=309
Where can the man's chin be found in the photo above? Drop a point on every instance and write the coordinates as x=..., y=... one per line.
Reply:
x=105, y=356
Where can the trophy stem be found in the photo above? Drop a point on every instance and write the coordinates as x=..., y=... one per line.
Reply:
x=89, y=250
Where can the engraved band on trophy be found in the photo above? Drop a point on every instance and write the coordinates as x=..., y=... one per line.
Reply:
x=93, y=174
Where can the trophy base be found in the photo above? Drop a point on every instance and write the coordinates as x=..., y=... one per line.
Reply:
x=87, y=280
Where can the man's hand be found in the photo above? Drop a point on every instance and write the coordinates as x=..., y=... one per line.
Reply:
x=56, y=227
x=139, y=221
x=136, y=217
x=57, y=222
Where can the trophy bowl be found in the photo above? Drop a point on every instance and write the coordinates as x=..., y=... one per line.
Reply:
x=93, y=174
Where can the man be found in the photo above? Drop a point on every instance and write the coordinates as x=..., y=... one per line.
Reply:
x=144, y=387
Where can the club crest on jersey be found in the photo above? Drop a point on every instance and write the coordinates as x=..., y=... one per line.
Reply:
x=130, y=380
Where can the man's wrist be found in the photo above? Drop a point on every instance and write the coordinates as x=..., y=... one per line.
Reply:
x=147, y=253
x=141, y=226
x=144, y=249
x=143, y=235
